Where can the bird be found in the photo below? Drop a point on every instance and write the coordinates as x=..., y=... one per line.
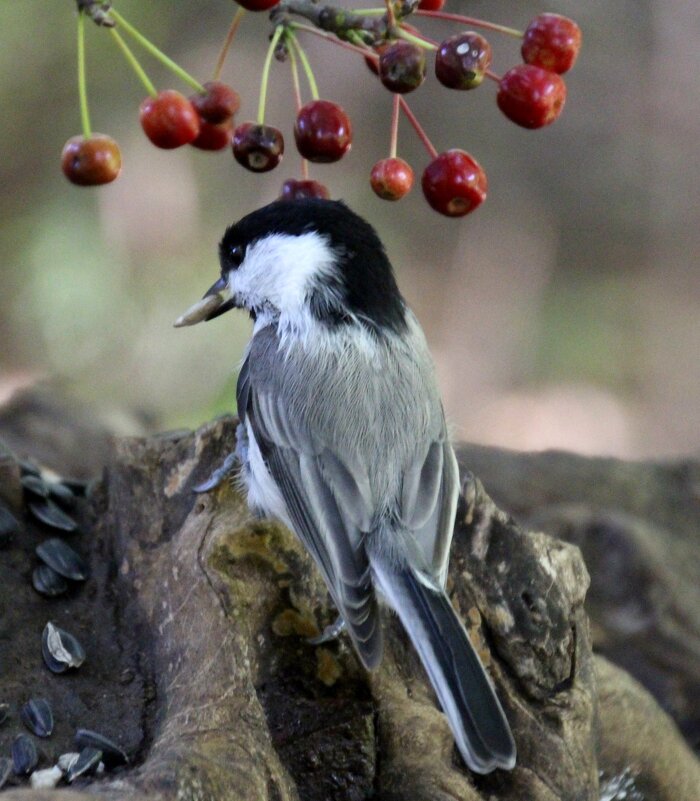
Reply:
x=342, y=437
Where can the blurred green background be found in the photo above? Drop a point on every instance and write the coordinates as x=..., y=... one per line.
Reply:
x=563, y=313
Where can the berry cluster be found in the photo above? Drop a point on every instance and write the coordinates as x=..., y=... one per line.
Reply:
x=531, y=94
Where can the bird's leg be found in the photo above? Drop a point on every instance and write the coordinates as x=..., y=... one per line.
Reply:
x=218, y=475
x=329, y=633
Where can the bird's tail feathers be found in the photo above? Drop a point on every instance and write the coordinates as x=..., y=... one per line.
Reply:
x=465, y=692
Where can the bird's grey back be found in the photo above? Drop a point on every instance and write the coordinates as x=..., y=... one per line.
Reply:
x=378, y=408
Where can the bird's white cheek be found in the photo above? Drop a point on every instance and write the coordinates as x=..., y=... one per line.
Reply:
x=235, y=282
x=253, y=287
x=242, y=289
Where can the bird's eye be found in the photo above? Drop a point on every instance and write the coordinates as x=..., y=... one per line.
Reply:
x=235, y=255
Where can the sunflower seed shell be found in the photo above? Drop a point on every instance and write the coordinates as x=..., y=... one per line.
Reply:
x=199, y=311
x=60, y=649
x=24, y=755
x=66, y=761
x=62, y=493
x=47, y=581
x=59, y=556
x=35, y=485
x=86, y=763
x=112, y=754
x=37, y=716
x=45, y=510
x=5, y=770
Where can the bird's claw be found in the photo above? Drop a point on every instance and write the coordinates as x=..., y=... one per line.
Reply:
x=217, y=476
x=329, y=633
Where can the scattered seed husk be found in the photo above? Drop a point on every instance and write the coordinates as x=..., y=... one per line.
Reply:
x=59, y=556
x=4, y=712
x=60, y=649
x=29, y=468
x=199, y=311
x=5, y=770
x=66, y=761
x=24, y=755
x=62, y=493
x=45, y=510
x=35, y=485
x=9, y=524
x=48, y=582
x=37, y=716
x=112, y=754
x=76, y=485
x=46, y=779
x=86, y=763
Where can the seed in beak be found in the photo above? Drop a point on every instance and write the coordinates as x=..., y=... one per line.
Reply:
x=199, y=311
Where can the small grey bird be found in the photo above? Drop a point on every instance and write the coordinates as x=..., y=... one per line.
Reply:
x=343, y=438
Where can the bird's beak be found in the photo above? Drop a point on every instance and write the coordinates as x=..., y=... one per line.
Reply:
x=210, y=306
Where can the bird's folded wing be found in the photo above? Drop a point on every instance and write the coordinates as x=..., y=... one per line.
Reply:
x=329, y=504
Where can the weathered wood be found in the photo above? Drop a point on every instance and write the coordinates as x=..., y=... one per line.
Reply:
x=638, y=526
x=206, y=612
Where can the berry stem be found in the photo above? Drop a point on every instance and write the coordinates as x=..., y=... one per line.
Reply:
x=477, y=23
x=390, y=15
x=363, y=51
x=394, y=139
x=154, y=51
x=237, y=17
x=355, y=38
x=266, y=73
x=492, y=76
x=295, y=74
x=133, y=61
x=422, y=36
x=313, y=88
x=417, y=128
x=421, y=41
x=82, y=83
x=297, y=93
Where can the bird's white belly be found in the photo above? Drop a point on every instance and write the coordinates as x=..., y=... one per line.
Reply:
x=263, y=493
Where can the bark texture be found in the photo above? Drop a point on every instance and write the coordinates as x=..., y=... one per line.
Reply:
x=195, y=621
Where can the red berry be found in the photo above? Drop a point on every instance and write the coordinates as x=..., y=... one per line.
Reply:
x=551, y=42
x=454, y=183
x=373, y=63
x=218, y=104
x=258, y=148
x=402, y=66
x=91, y=162
x=214, y=137
x=298, y=190
x=169, y=119
x=391, y=179
x=462, y=60
x=257, y=5
x=322, y=131
x=530, y=96
x=431, y=5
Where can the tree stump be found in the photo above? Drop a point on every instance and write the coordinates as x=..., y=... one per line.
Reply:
x=196, y=616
